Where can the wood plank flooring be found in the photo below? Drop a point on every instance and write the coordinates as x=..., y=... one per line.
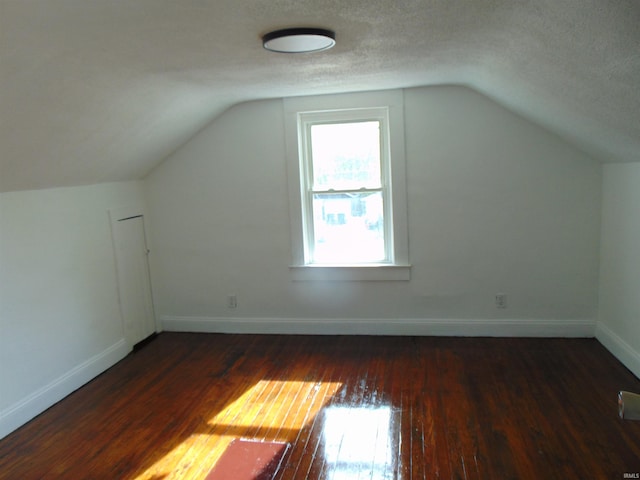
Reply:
x=352, y=407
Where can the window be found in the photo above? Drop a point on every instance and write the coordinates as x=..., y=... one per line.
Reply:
x=344, y=187
x=347, y=186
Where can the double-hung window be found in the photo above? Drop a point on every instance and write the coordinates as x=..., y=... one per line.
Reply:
x=347, y=186
x=345, y=192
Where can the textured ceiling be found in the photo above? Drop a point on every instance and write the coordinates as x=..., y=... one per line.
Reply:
x=104, y=90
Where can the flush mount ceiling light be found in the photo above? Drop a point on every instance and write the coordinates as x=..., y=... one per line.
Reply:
x=299, y=40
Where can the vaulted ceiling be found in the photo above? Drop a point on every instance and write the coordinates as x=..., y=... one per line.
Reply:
x=104, y=90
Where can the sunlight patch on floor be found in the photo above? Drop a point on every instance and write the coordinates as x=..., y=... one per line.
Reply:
x=358, y=443
x=271, y=410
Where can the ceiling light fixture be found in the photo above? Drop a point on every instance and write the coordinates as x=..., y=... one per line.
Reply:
x=299, y=40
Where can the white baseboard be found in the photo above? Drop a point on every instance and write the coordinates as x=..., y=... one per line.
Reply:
x=24, y=410
x=426, y=326
x=620, y=349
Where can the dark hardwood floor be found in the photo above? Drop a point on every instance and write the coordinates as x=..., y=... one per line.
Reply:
x=351, y=408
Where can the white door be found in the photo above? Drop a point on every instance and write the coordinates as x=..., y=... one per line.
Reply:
x=134, y=284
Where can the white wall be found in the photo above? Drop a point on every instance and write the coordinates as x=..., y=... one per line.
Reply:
x=60, y=323
x=496, y=204
x=619, y=317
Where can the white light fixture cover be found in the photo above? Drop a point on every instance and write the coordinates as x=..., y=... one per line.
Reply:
x=299, y=40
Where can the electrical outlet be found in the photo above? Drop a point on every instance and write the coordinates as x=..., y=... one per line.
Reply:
x=501, y=300
x=232, y=301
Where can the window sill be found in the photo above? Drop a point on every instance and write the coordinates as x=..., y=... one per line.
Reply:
x=350, y=273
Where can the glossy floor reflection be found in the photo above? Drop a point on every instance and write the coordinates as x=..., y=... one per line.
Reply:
x=357, y=443
x=350, y=408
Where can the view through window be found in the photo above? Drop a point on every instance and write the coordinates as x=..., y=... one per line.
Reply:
x=347, y=193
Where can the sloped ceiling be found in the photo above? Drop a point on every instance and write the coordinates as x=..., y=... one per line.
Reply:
x=104, y=90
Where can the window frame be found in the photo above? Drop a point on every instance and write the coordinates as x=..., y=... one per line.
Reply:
x=386, y=105
x=306, y=120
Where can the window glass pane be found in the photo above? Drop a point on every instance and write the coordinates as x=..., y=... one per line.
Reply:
x=348, y=227
x=346, y=156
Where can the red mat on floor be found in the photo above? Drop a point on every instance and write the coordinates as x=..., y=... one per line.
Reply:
x=249, y=460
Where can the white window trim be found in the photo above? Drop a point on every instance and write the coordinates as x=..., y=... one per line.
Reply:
x=305, y=122
x=393, y=100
